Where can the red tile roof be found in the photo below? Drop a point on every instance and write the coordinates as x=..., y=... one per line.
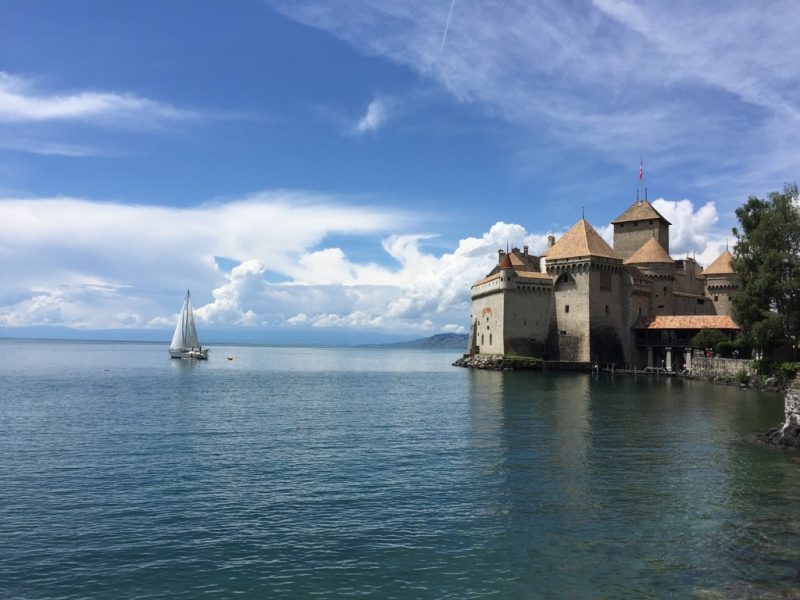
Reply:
x=687, y=322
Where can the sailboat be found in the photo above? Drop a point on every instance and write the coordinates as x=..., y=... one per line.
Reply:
x=184, y=341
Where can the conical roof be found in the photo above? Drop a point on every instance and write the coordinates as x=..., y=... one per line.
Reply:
x=649, y=253
x=641, y=210
x=505, y=262
x=721, y=266
x=580, y=240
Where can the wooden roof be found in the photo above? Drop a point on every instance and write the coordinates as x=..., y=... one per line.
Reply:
x=721, y=266
x=641, y=210
x=580, y=240
x=650, y=252
x=687, y=322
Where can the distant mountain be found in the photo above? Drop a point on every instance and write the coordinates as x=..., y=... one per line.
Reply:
x=449, y=341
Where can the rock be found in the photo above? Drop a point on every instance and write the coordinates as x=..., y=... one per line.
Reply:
x=771, y=382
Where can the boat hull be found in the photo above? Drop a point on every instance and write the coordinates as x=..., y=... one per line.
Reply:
x=187, y=353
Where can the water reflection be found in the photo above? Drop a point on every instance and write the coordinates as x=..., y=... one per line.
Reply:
x=650, y=478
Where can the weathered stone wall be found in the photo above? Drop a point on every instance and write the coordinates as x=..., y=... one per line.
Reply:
x=609, y=342
x=692, y=305
x=571, y=312
x=720, y=290
x=527, y=320
x=711, y=368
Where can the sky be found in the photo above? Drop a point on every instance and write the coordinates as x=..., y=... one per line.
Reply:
x=328, y=172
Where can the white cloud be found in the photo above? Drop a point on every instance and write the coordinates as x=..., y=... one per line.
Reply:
x=99, y=265
x=690, y=228
x=374, y=117
x=20, y=102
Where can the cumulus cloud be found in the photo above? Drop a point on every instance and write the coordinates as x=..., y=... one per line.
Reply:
x=423, y=291
x=690, y=228
x=98, y=265
x=374, y=117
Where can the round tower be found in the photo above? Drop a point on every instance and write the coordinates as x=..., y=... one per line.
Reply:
x=721, y=283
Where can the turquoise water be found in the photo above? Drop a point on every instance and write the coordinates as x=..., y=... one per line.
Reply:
x=294, y=472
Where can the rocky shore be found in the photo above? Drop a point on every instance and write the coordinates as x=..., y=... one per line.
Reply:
x=497, y=363
x=787, y=434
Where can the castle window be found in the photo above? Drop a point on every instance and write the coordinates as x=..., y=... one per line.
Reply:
x=566, y=308
x=716, y=298
x=490, y=339
x=649, y=222
x=701, y=301
x=481, y=339
x=640, y=311
x=563, y=332
x=606, y=308
x=665, y=290
x=660, y=306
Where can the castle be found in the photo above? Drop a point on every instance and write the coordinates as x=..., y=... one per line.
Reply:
x=583, y=301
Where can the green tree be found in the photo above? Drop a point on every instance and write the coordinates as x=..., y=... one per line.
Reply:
x=708, y=338
x=767, y=259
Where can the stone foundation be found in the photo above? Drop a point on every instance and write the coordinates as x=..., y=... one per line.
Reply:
x=497, y=363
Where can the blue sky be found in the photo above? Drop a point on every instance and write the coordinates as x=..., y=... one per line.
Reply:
x=330, y=170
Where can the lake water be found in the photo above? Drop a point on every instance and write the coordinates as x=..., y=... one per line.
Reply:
x=297, y=472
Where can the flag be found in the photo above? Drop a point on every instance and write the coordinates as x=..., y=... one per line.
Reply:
x=641, y=170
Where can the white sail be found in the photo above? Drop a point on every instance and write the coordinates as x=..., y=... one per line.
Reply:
x=178, y=341
x=190, y=336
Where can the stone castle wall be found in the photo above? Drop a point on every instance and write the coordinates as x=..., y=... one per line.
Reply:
x=571, y=315
x=527, y=320
x=488, y=312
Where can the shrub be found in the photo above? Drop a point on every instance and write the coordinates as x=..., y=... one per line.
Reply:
x=708, y=338
x=742, y=377
x=725, y=349
x=765, y=366
x=788, y=370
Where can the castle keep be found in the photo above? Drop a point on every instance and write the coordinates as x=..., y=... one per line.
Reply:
x=582, y=301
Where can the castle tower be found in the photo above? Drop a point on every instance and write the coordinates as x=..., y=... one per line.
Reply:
x=652, y=260
x=721, y=283
x=636, y=225
x=588, y=318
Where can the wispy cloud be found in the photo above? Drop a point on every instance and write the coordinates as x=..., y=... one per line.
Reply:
x=21, y=102
x=374, y=118
x=712, y=84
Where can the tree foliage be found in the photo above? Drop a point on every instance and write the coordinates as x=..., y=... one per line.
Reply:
x=767, y=259
x=708, y=338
